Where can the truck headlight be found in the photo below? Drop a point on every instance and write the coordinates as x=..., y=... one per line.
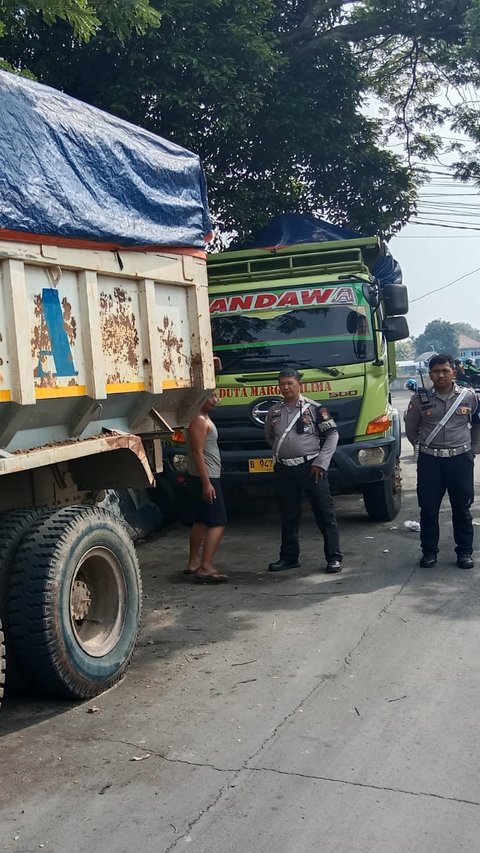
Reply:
x=179, y=462
x=372, y=456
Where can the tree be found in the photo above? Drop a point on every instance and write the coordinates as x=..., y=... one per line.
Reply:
x=84, y=16
x=277, y=130
x=439, y=335
x=270, y=93
x=467, y=329
x=405, y=350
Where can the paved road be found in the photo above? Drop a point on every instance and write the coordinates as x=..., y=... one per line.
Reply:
x=303, y=713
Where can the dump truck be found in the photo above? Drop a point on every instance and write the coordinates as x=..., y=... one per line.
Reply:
x=329, y=302
x=105, y=348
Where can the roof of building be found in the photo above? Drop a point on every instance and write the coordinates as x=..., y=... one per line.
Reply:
x=466, y=342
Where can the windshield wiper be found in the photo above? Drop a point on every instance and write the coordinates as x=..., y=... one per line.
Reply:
x=333, y=371
x=279, y=363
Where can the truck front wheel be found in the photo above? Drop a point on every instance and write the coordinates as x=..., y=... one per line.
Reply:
x=75, y=602
x=383, y=499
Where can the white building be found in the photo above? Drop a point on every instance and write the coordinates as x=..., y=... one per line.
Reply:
x=469, y=348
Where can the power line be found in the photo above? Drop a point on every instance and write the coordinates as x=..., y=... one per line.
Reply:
x=437, y=289
x=443, y=225
x=435, y=236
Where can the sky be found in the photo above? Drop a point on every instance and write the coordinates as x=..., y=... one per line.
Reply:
x=432, y=257
x=432, y=252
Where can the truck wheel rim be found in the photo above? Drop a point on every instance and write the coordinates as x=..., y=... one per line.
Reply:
x=98, y=602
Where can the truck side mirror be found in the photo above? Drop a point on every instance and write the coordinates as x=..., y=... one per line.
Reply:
x=395, y=329
x=395, y=297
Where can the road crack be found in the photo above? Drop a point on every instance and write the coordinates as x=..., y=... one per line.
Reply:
x=367, y=785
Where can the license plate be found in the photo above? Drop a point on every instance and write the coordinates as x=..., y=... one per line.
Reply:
x=260, y=466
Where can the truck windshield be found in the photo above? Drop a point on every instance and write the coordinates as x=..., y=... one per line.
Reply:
x=307, y=337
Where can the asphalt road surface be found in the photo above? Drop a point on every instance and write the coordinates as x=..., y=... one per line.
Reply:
x=299, y=713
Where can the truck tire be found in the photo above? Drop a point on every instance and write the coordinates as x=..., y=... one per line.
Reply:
x=14, y=525
x=383, y=499
x=75, y=602
x=2, y=664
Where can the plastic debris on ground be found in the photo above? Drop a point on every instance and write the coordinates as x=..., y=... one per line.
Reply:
x=412, y=525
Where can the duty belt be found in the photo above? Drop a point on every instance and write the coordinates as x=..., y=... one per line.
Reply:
x=297, y=460
x=444, y=452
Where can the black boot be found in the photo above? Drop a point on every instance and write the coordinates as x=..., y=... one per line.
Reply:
x=428, y=561
x=281, y=565
x=465, y=561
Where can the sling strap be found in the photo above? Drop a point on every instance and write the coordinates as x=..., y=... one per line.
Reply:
x=448, y=414
x=288, y=428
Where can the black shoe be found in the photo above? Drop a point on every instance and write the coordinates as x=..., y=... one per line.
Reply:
x=465, y=561
x=428, y=561
x=333, y=566
x=282, y=565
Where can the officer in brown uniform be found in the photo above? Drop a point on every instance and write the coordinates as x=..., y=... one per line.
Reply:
x=439, y=421
x=303, y=437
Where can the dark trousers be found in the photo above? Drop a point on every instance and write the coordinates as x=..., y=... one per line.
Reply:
x=435, y=476
x=291, y=483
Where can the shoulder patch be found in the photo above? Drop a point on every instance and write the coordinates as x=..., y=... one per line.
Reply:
x=323, y=414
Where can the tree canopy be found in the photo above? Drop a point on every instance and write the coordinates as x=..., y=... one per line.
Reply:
x=467, y=329
x=439, y=335
x=84, y=17
x=271, y=93
x=405, y=350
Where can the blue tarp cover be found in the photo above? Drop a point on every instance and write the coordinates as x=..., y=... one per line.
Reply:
x=291, y=228
x=70, y=170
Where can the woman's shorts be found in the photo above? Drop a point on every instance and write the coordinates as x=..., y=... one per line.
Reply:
x=214, y=514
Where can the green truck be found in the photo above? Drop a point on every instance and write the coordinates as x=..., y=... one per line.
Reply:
x=318, y=307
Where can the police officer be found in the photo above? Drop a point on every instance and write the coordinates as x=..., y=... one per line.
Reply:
x=439, y=421
x=304, y=438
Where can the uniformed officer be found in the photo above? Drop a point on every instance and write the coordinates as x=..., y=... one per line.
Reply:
x=439, y=421
x=304, y=438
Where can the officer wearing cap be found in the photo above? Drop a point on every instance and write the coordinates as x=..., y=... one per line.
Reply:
x=303, y=437
x=439, y=421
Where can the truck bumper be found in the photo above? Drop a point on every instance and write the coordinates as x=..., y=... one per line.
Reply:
x=346, y=472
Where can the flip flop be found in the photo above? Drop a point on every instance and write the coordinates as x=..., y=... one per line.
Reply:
x=214, y=578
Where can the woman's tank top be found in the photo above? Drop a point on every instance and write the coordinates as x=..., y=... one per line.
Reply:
x=211, y=454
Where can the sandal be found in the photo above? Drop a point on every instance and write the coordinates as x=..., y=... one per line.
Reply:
x=213, y=577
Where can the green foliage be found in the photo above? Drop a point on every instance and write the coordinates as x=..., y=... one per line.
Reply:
x=277, y=130
x=439, y=335
x=405, y=350
x=467, y=329
x=85, y=17
x=270, y=93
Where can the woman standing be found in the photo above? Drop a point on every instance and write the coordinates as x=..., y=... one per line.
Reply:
x=208, y=507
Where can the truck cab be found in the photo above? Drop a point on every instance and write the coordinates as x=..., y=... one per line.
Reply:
x=317, y=308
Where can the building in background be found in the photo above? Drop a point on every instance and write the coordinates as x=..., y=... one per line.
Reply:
x=469, y=348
